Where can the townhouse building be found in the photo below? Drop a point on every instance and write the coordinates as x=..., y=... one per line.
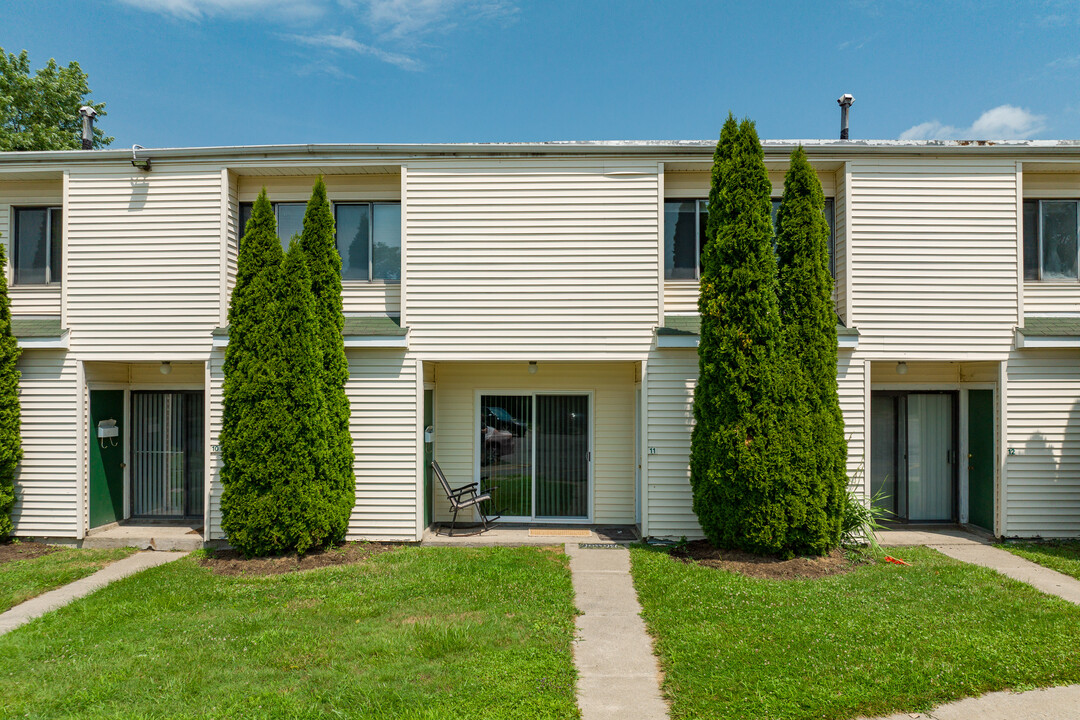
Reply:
x=526, y=314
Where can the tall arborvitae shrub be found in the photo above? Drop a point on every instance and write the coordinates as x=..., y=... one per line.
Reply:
x=245, y=518
x=10, y=439
x=737, y=452
x=294, y=419
x=319, y=246
x=817, y=479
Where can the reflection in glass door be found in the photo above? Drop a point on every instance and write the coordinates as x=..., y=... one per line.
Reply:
x=506, y=461
x=536, y=449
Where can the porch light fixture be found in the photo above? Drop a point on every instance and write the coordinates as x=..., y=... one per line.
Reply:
x=141, y=163
x=533, y=367
x=901, y=368
x=166, y=367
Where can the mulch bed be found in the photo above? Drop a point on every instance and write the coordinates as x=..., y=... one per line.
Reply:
x=231, y=562
x=23, y=550
x=704, y=553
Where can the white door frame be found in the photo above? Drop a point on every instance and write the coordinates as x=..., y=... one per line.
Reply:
x=591, y=452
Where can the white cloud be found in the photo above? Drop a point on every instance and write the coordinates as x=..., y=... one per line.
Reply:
x=1064, y=63
x=329, y=24
x=1005, y=122
x=411, y=19
x=345, y=42
x=199, y=9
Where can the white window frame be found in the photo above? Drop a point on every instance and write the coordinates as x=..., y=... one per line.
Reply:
x=701, y=204
x=371, y=240
x=49, y=280
x=1039, y=238
x=333, y=210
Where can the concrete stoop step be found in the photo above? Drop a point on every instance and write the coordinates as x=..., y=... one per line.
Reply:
x=145, y=537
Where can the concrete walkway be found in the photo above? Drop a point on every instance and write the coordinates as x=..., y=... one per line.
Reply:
x=1059, y=703
x=618, y=674
x=978, y=551
x=38, y=606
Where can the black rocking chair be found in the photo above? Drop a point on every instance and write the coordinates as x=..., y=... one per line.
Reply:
x=465, y=497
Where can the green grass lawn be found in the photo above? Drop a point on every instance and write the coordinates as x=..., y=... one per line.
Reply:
x=875, y=641
x=1063, y=555
x=415, y=633
x=21, y=580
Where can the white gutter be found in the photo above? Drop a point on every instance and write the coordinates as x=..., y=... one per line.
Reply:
x=400, y=151
x=1066, y=342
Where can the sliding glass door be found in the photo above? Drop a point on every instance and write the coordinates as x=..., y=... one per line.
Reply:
x=535, y=448
x=166, y=454
x=913, y=441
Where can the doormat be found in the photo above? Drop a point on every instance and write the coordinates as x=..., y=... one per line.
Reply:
x=600, y=546
x=558, y=532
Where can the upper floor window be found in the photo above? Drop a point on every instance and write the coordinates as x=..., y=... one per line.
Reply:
x=368, y=236
x=369, y=240
x=684, y=236
x=290, y=219
x=1050, y=239
x=38, y=246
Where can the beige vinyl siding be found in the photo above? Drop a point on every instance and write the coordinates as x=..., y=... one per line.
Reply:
x=1042, y=496
x=28, y=300
x=934, y=262
x=46, y=483
x=1051, y=297
x=144, y=262
x=681, y=296
x=672, y=375
x=384, y=424
x=357, y=297
x=695, y=183
x=216, y=378
x=840, y=221
x=851, y=387
x=382, y=397
x=532, y=260
x=613, y=408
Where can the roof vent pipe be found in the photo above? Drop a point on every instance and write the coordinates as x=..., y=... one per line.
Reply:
x=845, y=101
x=88, y=114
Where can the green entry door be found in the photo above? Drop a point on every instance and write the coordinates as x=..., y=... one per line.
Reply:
x=981, y=458
x=106, y=458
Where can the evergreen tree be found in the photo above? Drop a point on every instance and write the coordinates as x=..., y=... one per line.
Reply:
x=319, y=246
x=243, y=481
x=817, y=478
x=737, y=452
x=10, y=438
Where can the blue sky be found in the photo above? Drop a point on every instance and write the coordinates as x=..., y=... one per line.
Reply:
x=244, y=72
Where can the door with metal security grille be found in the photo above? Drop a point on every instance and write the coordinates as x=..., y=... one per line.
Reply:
x=167, y=454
